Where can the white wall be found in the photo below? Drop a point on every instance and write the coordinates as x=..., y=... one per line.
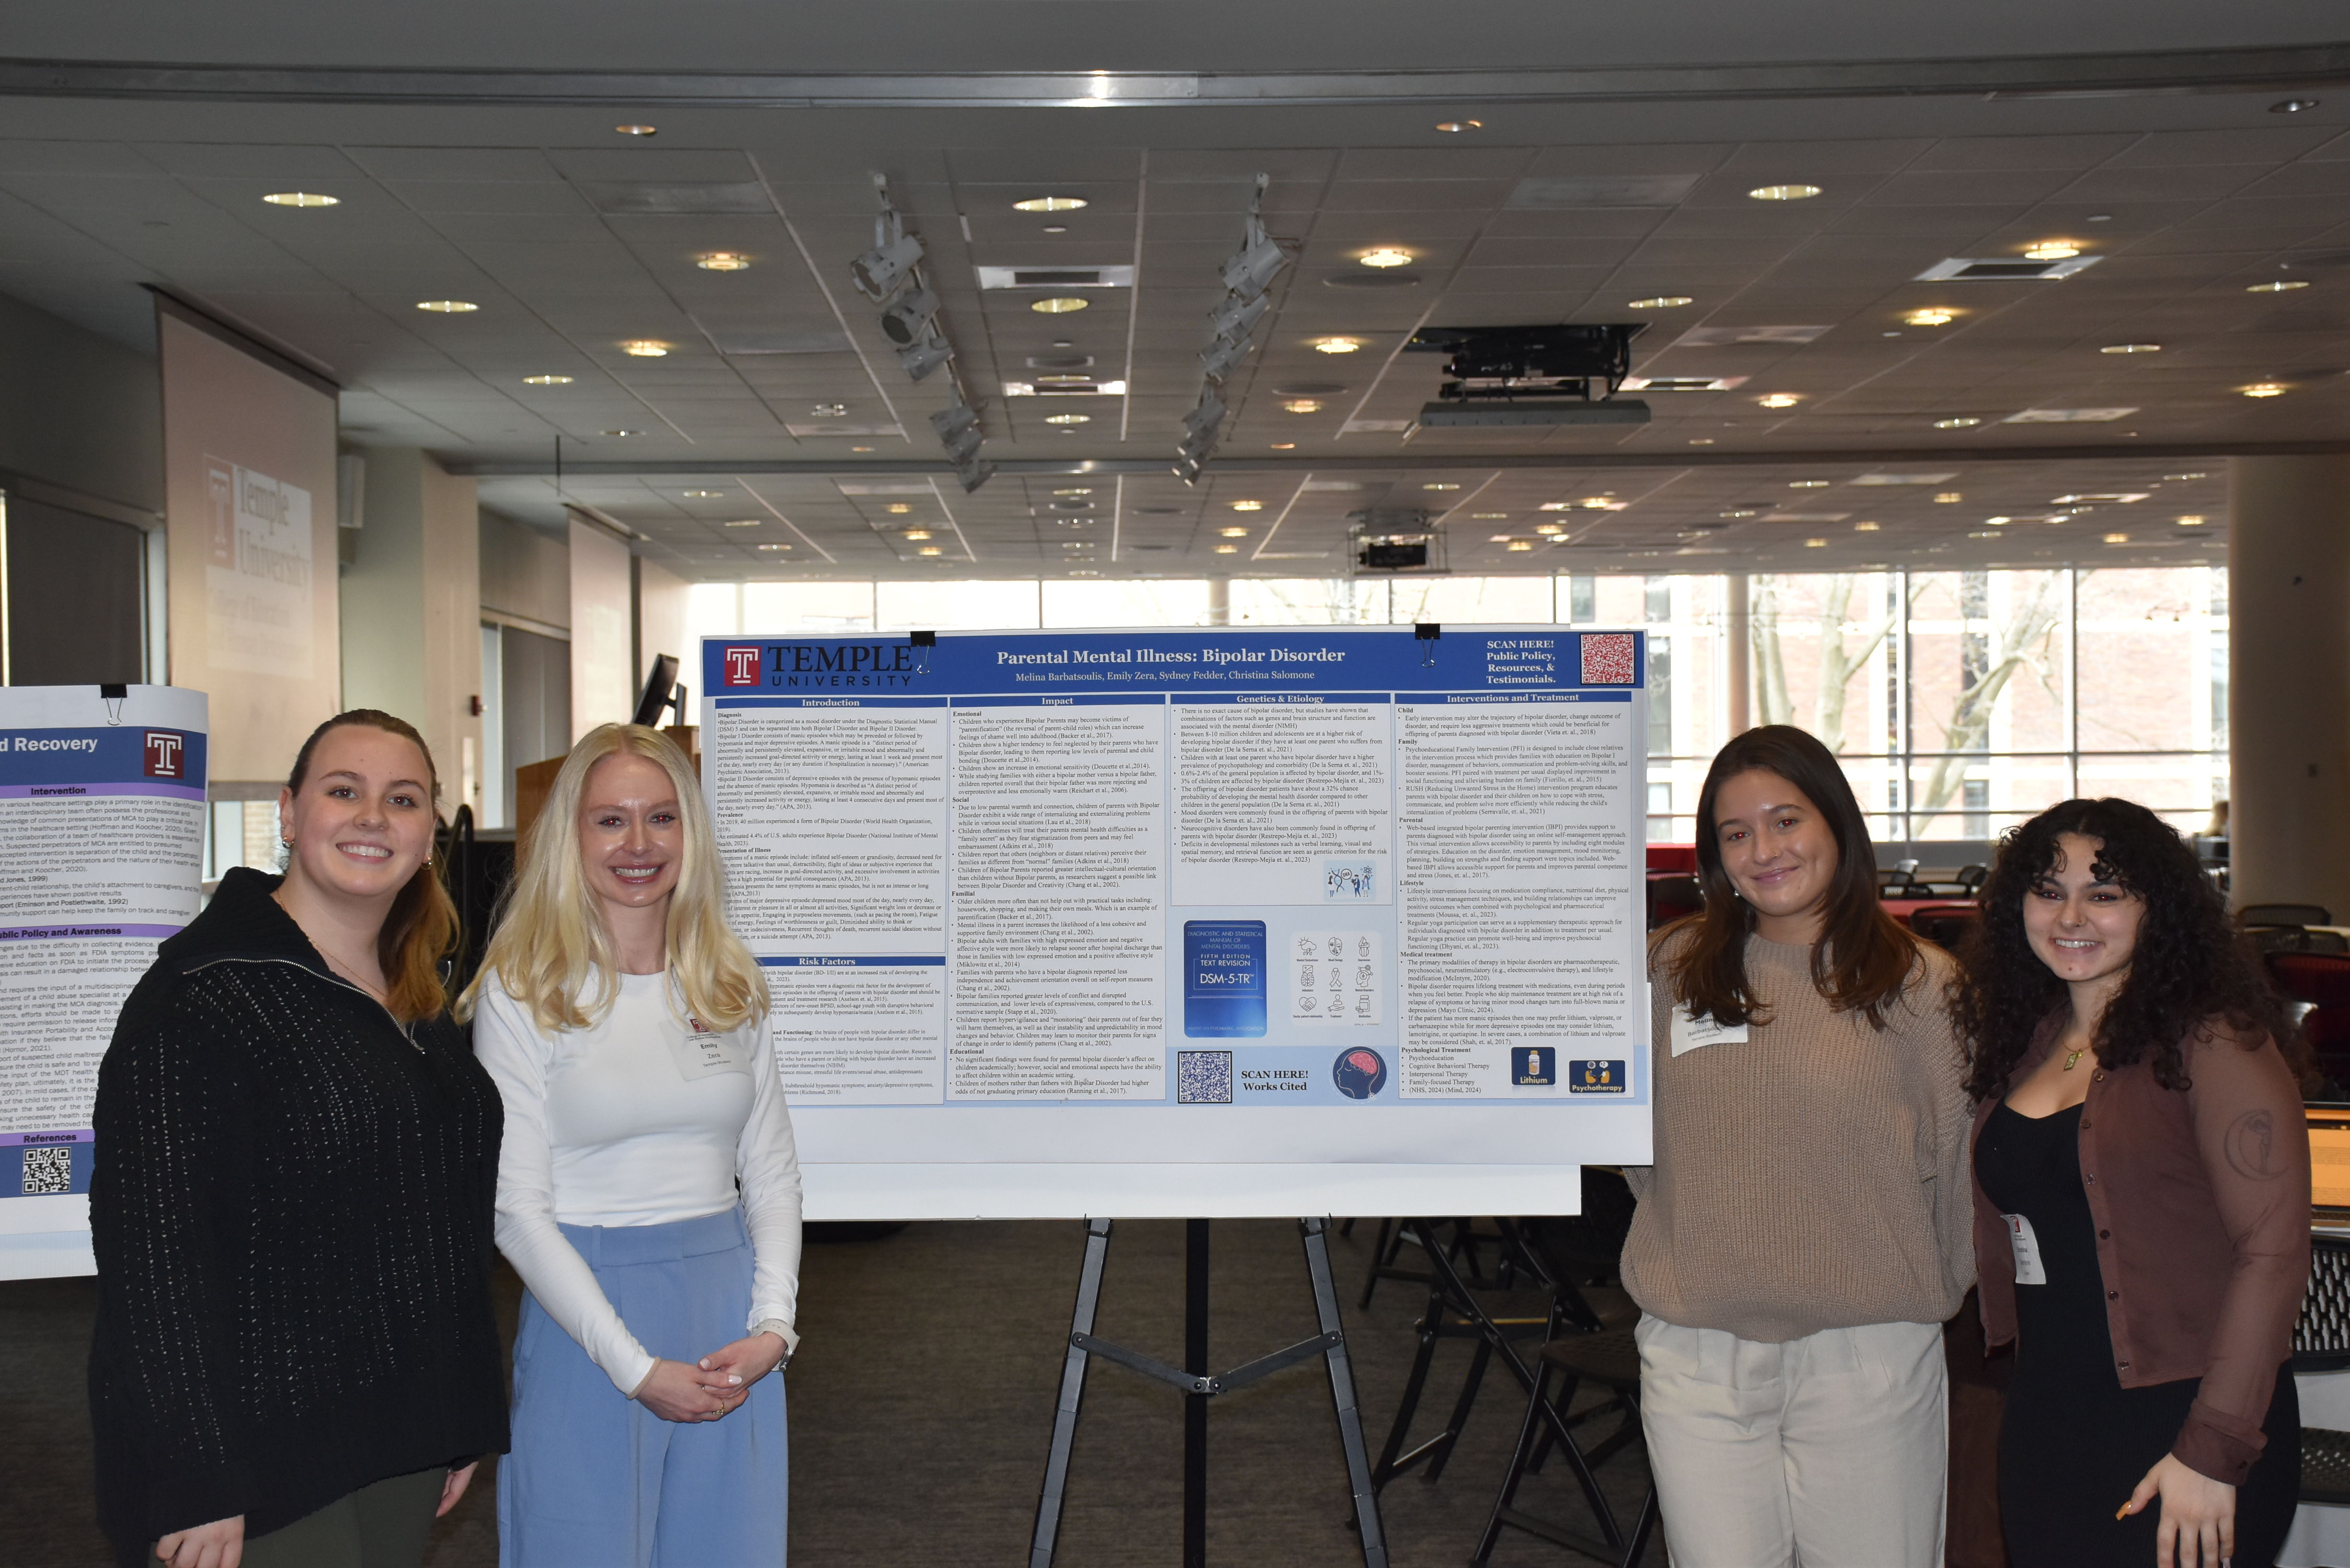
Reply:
x=603, y=684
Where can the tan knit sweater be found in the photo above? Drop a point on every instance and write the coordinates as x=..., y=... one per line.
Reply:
x=1813, y=1175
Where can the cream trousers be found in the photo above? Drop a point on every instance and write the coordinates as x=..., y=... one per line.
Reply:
x=1829, y=1451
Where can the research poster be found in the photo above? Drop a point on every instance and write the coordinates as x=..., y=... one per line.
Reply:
x=102, y=802
x=1307, y=920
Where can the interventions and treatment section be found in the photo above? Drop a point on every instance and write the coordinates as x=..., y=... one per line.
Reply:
x=1305, y=913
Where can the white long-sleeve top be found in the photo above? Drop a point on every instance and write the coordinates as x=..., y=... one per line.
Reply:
x=642, y=1120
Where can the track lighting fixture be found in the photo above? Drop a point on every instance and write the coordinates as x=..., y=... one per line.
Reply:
x=1246, y=276
x=908, y=322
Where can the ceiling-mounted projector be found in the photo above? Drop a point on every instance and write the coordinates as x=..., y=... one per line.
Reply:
x=1546, y=375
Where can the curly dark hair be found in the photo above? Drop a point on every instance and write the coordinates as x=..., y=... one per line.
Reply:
x=2192, y=969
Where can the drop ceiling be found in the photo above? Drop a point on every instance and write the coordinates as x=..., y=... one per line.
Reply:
x=1566, y=205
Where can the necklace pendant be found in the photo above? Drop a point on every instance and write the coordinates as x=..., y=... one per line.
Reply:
x=2073, y=1057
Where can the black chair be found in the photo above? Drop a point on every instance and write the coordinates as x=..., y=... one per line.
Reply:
x=1971, y=878
x=1611, y=1361
x=1894, y=882
x=1945, y=924
x=2297, y=940
x=2321, y=1343
x=2255, y=915
x=1670, y=898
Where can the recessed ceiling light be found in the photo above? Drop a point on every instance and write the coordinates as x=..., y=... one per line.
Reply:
x=1948, y=498
x=1520, y=545
x=1864, y=527
x=301, y=198
x=744, y=522
x=2264, y=390
x=1779, y=400
x=2051, y=250
x=722, y=261
x=1600, y=503
x=1454, y=127
x=1302, y=406
x=930, y=550
x=1386, y=256
x=916, y=536
x=1228, y=549
x=2186, y=476
x=2131, y=348
x=1049, y=204
x=448, y=306
x=897, y=509
x=1059, y=304
x=1807, y=484
x=770, y=546
x=1661, y=302
x=637, y=129
x=860, y=449
x=1489, y=516
x=1248, y=505
x=623, y=433
x=1783, y=192
x=1957, y=424
x=1999, y=520
x=1438, y=484
x=645, y=347
x=828, y=410
x=1069, y=418
x=2293, y=105
x=1336, y=345
x=2190, y=521
x=699, y=494
x=546, y=381
x=1233, y=533
x=1701, y=440
x=1075, y=490
x=1558, y=506
x=1932, y=316
x=1285, y=446
x=2279, y=287
x=1813, y=543
x=1550, y=530
x=2116, y=538
x=1057, y=228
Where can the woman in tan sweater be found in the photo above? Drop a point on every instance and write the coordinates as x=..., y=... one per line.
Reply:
x=1805, y=1227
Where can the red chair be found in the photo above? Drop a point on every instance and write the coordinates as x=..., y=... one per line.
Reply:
x=2322, y=980
x=1670, y=898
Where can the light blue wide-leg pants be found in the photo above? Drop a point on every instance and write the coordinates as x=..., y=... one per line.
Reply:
x=596, y=1480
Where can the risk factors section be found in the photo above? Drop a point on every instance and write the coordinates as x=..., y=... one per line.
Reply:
x=832, y=819
x=1283, y=799
x=1517, y=925
x=1056, y=944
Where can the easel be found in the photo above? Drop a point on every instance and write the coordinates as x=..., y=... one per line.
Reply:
x=1198, y=1386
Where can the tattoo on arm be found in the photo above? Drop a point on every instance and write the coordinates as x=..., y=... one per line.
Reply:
x=2252, y=1146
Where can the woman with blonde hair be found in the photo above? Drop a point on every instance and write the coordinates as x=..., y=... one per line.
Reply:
x=649, y=1193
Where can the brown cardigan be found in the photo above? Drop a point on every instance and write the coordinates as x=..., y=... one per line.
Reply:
x=2201, y=1199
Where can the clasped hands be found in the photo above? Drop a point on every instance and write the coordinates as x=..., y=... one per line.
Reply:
x=710, y=1388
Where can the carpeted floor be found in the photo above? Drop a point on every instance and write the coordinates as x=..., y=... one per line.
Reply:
x=922, y=1398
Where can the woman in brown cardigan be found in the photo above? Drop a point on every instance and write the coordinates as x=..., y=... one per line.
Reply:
x=2141, y=1201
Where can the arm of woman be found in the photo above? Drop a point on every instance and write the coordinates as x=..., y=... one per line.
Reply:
x=766, y=1163
x=517, y=1056
x=2255, y=1147
x=163, y=1357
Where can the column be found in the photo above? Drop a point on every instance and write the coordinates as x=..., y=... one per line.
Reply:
x=1219, y=601
x=411, y=612
x=1738, y=656
x=2289, y=680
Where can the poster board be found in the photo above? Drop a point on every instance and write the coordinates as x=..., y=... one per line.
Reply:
x=102, y=802
x=1211, y=922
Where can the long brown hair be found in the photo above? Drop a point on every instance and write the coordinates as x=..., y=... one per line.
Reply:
x=1862, y=958
x=421, y=928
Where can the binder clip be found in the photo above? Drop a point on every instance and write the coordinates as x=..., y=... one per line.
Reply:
x=923, y=642
x=1427, y=632
x=114, y=693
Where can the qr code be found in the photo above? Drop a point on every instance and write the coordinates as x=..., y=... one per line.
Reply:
x=1204, y=1078
x=1607, y=659
x=49, y=1170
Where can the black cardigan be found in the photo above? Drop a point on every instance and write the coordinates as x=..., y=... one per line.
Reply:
x=292, y=1212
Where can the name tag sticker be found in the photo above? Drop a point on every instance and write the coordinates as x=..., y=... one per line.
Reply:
x=2028, y=1269
x=699, y=1054
x=1688, y=1032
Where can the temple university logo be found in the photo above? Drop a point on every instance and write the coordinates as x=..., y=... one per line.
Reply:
x=167, y=752
x=741, y=666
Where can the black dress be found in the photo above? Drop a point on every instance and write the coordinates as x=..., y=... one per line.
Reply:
x=2075, y=1442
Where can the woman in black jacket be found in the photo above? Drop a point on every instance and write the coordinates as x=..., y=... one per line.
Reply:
x=295, y=1360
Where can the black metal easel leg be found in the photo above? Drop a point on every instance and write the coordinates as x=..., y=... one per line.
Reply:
x=1073, y=1389
x=1342, y=1395
x=1195, y=1404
